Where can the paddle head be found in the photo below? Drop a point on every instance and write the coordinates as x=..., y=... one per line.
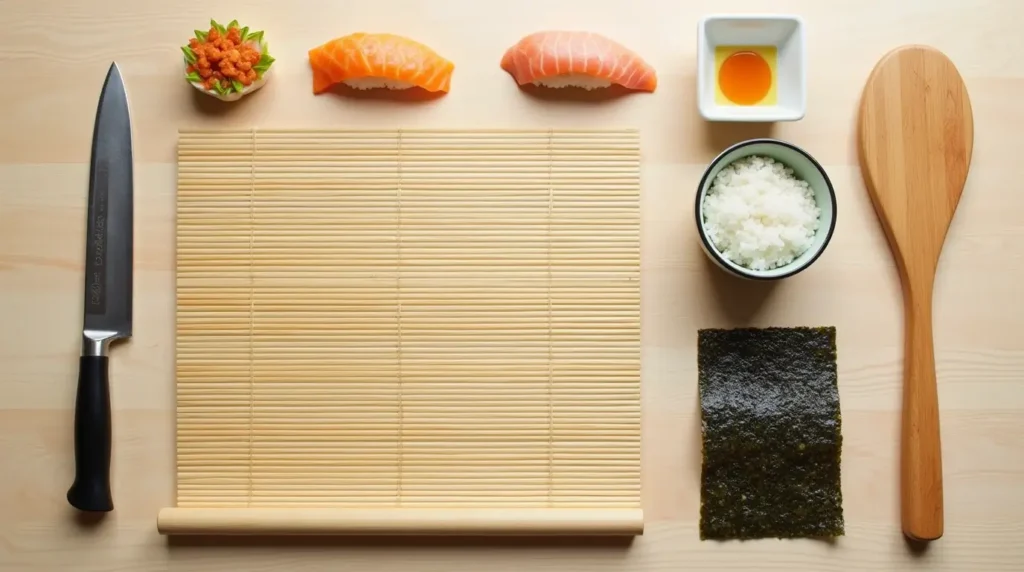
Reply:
x=915, y=138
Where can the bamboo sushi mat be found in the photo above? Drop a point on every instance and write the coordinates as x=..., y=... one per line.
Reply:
x=427, y=331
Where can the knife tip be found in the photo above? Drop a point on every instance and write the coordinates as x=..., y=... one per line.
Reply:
x=114, y=70
x=114, y=75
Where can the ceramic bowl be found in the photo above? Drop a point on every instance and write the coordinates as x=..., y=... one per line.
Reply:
x=785, y=34
x=804, y=167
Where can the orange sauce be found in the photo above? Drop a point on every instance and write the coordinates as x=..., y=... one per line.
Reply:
x=745, y=77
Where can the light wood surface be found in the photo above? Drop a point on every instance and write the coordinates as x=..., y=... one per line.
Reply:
x=916, y=136
x=53, y=55
x=410, y=321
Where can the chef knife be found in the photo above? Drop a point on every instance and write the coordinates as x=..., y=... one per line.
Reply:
x=108, y=291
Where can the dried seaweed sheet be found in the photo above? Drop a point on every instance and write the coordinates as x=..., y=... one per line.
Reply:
x=771, y=432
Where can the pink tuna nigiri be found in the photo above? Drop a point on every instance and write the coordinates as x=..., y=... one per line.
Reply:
x=578, y=59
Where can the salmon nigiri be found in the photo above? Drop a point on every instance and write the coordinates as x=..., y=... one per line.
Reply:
x=577, y=59
x=367, y=61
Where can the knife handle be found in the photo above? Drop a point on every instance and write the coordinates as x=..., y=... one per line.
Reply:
x=91, y=489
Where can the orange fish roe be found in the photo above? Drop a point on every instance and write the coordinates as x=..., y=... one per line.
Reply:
x=221, y=58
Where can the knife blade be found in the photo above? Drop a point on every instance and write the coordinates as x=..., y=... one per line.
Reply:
x=107, y=306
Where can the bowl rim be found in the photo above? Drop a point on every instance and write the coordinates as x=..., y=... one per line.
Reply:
x=753, y=15
x=733, y=267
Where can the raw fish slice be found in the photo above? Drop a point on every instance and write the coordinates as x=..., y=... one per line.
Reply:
x=578, y=59
x=367, y=61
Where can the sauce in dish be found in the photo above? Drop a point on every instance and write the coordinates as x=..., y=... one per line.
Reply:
x=745, y=75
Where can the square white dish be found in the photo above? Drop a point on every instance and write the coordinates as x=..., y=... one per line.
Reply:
x=785, y=33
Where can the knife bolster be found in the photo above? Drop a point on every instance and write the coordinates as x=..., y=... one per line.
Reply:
x=97, y=342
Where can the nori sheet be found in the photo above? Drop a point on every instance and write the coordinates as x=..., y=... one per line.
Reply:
x=771, y=432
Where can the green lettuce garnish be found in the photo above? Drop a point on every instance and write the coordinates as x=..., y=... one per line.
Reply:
x=237, y=85
x=218, y=27
x=264, y=64
x=201, y=35
x=190, y=56
x=194, y=77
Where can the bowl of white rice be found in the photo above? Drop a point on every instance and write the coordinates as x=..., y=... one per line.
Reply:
x=765, y=209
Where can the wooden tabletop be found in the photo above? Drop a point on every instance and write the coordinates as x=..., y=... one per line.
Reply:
x=53, y=56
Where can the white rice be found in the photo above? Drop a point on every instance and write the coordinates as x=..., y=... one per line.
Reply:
x=377, y=83
x=759, y=215
x=573, y=80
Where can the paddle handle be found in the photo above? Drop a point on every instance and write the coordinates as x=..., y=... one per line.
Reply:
x=921, y=459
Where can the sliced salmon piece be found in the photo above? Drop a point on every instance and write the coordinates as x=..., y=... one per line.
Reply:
x=581, y=59
x=366, y=61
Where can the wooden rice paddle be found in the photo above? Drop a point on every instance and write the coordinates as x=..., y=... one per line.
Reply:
x=916, y=134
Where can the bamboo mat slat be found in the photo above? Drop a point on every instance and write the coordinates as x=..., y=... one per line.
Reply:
x=413, y=331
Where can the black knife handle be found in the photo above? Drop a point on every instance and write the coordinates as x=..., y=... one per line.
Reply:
x=91, y=489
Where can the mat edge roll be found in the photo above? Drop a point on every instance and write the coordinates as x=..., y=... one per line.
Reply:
x=400, y=521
